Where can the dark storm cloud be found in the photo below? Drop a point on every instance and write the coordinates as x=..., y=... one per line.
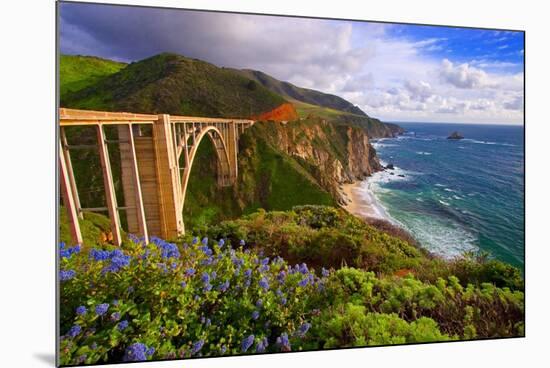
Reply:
x=313, y=52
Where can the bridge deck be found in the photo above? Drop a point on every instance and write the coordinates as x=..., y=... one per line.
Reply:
x=68, y=117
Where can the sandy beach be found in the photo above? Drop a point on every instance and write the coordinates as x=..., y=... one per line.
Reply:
x=361, y=201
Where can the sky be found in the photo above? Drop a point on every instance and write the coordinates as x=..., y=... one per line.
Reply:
x=395, y=72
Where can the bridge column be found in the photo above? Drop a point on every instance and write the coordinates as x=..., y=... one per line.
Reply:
x=232, y=149
x=68, y=199
x=131, y=185
x=167, y=178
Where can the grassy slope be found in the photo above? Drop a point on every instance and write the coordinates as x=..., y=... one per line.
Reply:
x=305, y=95
x=78, y=72
x=173, y=84
x=268, y=179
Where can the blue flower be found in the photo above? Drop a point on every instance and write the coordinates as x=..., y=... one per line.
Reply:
x=213, y=275
x=197, y=346
x=101, y=309
x=136, y=352
x=195, y=240
x=207, y=287
x=242, y=243
x=208, y=322
x=283, y=301
x=283, y=342
x=118, y=261
x=247, y=343
x=150, y=351
x=62, y=245
x=223, y=349
x=325, y=272
x=190, y=272
x=183, y=284
x=223, y=287
x=74, y=331
x=248, y=273
x=68, y=252
x=259, y=303
x=206, y=250
x=221, y=242
x=205, y=240
x=81, y=310
x=205, y=278
x=115, y=316
x=265, y=261
x=303, y=329
x=304, y=282
x=281, y=276
x=65, y=275
x=261, y=345
x=303, y=269
x=264, y=284
x=255, y=315
x=99, y=255
x=122, y=325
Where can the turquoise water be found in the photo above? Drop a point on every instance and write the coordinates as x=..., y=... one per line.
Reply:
x=456, y=196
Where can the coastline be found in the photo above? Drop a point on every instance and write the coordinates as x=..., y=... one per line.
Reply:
x=361, y=202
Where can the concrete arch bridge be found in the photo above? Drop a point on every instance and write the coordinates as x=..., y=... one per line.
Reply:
x=156, y=158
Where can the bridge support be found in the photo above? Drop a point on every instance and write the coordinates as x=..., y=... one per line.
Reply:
x=167, y=179
x=68, y=198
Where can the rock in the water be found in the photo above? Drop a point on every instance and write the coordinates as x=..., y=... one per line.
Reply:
x=455, y=135
x=401, y=175
x=390, y=167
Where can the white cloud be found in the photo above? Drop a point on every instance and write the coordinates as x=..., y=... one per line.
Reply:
x=463, y=75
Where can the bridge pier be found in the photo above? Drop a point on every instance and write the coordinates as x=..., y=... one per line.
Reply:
x=167, y=179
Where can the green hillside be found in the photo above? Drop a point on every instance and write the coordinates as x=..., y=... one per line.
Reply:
x=78, y=72
x=174, y=84
x=308, y=96
x=332, y=108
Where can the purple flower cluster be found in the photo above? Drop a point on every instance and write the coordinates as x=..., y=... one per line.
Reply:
x=264, y=284
x=262, y=345
x=81, y=310
x=65, y=275
x=224, y=286
x=247, y=343
x=255, y=315
x=138, y=352
x=303, y=329
x=283, y=342
x=197, y=346
x=74, y=331
x=68, y=252
x=168, y=250
x=122, y=325
x=101, y=309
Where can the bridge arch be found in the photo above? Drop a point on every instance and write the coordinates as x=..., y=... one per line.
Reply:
x=226, y=174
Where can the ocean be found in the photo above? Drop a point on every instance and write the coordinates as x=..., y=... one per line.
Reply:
x=455, y=196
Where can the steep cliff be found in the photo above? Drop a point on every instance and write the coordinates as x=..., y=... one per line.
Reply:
x=330, y=154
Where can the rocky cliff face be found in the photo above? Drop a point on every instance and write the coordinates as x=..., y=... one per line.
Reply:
x=330, y=154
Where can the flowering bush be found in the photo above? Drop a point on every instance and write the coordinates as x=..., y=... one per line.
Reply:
x=205, y=298
x=161, y=301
